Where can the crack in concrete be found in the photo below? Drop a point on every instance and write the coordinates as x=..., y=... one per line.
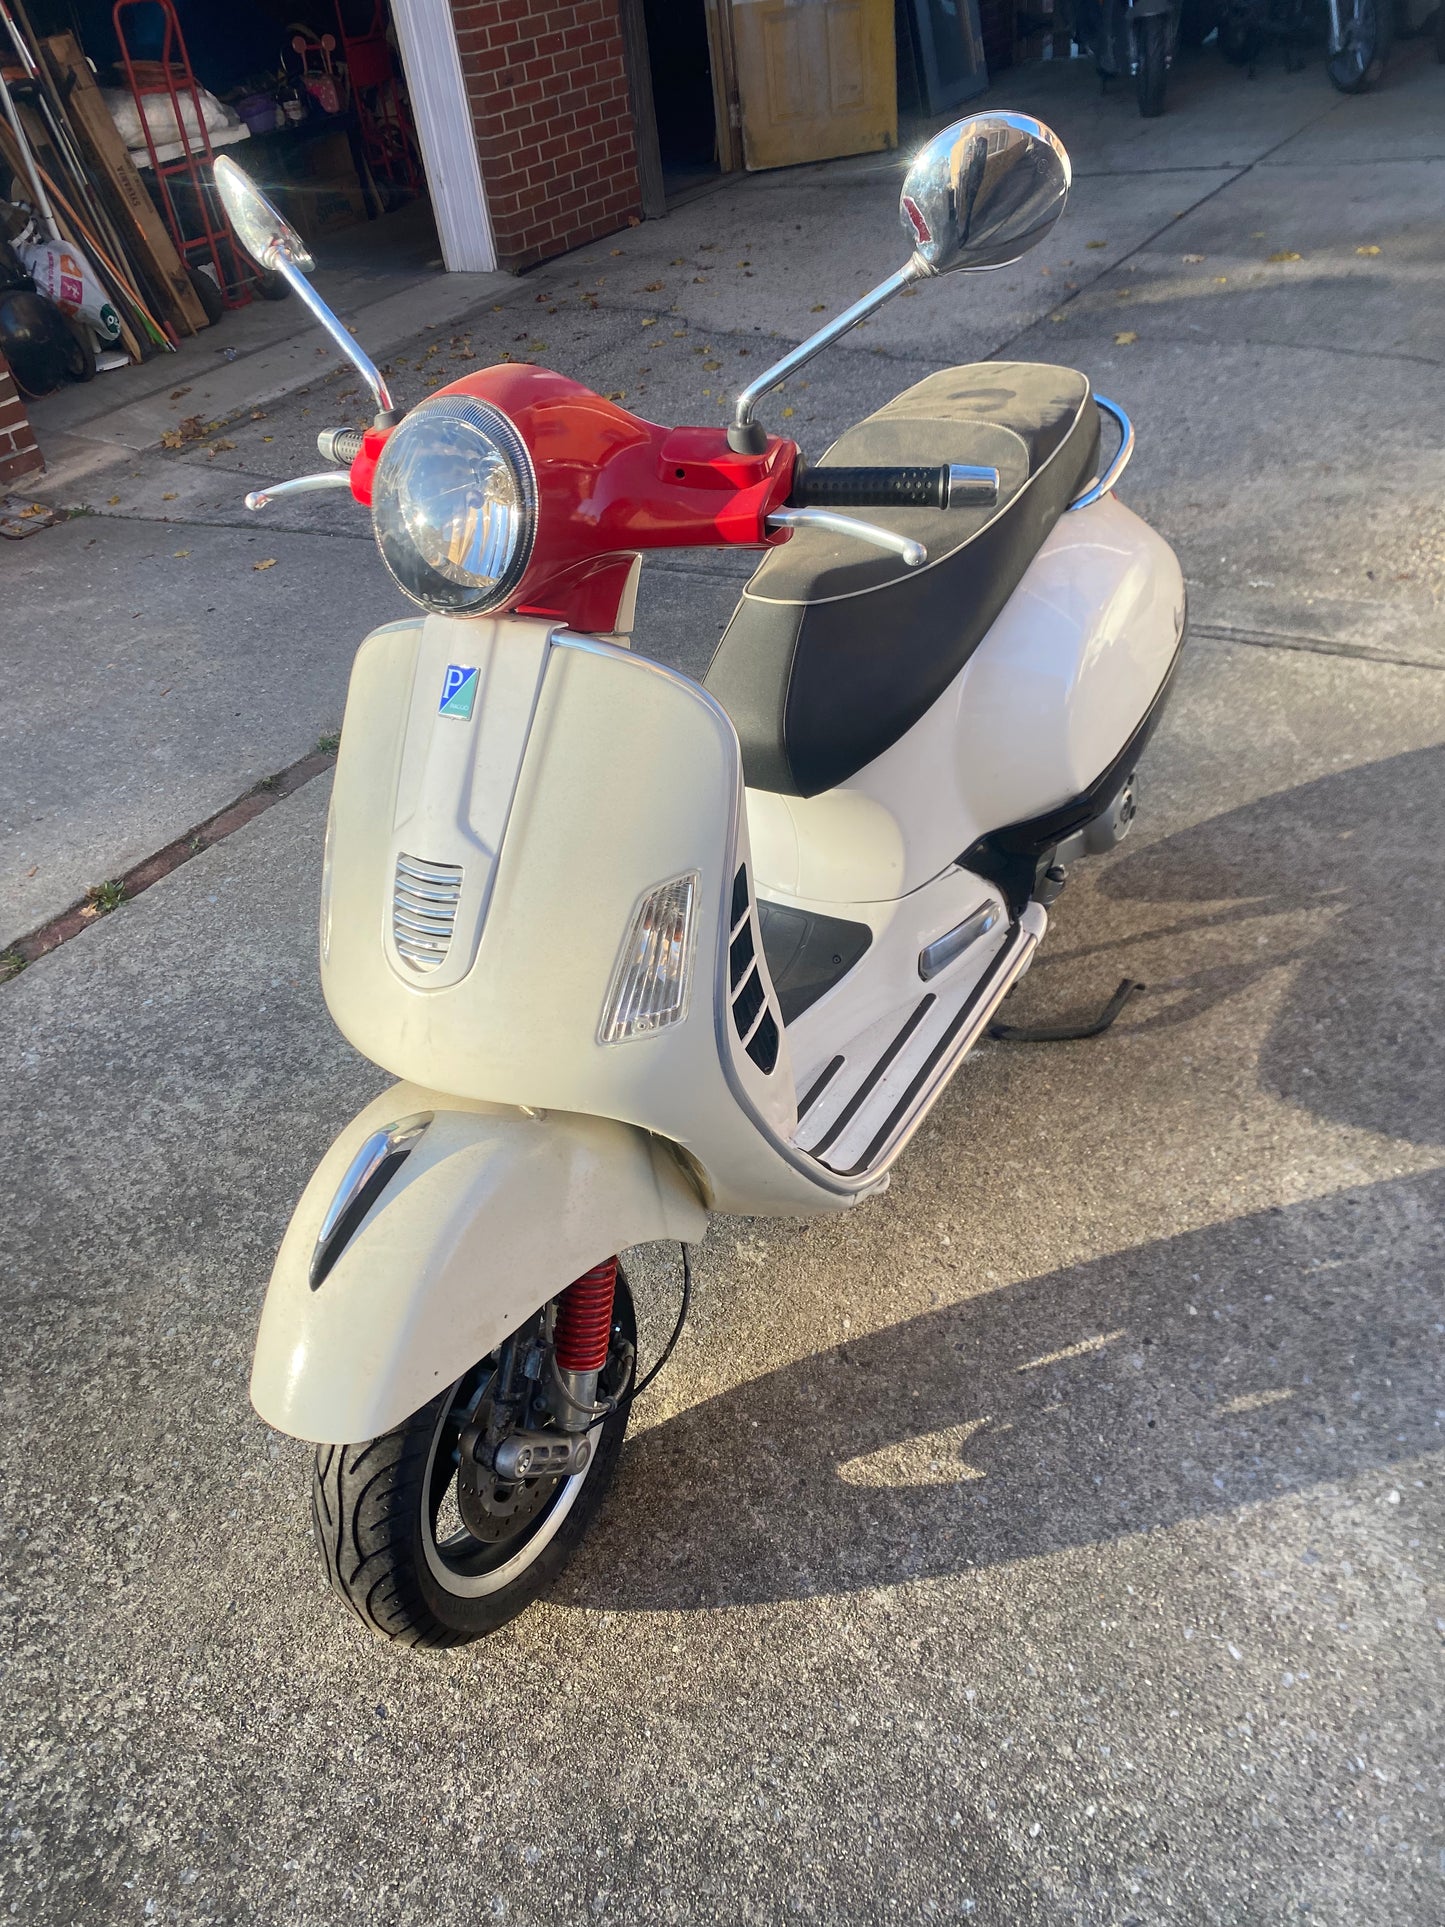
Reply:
x=223, y=823
x=1306, y=645
x=1116, y=267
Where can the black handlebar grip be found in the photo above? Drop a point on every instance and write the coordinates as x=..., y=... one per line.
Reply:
x=340, y=445
x=921, y=487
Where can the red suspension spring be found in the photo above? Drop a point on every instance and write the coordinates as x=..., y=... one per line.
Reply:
x=584, y=1319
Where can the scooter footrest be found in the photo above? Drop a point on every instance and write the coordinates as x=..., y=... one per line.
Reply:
x=865, y=1104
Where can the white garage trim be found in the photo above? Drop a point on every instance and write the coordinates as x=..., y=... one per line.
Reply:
x=426, y=34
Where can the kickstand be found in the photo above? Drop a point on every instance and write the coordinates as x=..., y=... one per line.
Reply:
x=1067, y=1033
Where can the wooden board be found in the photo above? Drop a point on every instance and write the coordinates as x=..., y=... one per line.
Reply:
x=638, y=62
x=130, y=203
x=815, y=80
x=726, y=105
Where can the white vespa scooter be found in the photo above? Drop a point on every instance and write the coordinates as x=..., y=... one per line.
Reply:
x=642, y=950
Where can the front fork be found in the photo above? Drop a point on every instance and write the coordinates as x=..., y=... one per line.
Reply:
x=1337, y=28
x=560, y=1378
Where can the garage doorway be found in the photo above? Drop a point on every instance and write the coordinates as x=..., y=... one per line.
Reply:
x=684, y=100
x=682, y=93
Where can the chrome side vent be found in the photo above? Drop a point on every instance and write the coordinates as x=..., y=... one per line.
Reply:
x=754, y=1022
x=424, y=898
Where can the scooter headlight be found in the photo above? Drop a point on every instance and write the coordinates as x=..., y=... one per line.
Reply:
x=454, y=506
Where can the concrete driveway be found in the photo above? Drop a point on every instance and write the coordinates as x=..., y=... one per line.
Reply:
x=1054, y=1539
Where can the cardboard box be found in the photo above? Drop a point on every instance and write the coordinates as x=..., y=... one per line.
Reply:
x=322, y=191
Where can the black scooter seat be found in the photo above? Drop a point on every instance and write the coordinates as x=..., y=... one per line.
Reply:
x=837, y=648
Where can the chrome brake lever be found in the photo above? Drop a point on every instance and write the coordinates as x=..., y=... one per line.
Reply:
x=913, y=553
x=301, y=485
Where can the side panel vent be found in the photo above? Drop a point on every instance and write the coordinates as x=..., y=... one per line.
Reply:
x=424, y=900
x=753, y=1019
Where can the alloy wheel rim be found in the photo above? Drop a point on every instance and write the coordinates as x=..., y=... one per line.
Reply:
x=462, y=1564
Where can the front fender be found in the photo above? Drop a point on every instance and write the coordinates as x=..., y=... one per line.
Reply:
x=489, y=1215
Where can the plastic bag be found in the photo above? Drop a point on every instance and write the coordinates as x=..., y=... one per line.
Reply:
x=125, y=111
x=62, y=271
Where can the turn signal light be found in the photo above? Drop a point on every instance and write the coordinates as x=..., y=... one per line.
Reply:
x=650, y=984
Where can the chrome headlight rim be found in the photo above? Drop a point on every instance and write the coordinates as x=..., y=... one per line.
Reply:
x=471, y=414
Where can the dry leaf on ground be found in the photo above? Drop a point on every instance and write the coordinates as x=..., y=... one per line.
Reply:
x=1285, y=254
x=269, y=563
x=1369, y=250
x=1124, y=340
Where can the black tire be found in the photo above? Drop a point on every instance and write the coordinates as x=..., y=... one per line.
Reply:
x=1239, y=39
x=1369, y=33
x=270, y=285
x=80, y=364
x=207, y=293
x=1152, y=41
x=374, y=1509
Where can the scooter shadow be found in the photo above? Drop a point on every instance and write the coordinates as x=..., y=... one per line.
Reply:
x=1169, y=1382
x=1357, y=1039
x=1174, y=1380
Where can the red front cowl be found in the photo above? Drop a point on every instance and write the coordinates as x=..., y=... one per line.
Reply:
x=610, y=485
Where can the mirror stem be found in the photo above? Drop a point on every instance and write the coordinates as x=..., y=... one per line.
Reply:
x=748, y=437
x=339, y=333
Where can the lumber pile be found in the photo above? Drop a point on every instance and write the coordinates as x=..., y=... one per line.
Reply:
x=69, y=192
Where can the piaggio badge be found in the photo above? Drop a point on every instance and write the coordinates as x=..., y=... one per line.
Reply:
x=459, y=692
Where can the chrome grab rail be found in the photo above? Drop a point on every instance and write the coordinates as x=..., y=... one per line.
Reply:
x=1121, y=457
x=913, y=553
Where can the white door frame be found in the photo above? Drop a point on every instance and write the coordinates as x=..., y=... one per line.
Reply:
x=426, y=33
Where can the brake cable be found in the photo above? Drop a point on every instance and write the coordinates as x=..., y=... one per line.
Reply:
x=609, y=1406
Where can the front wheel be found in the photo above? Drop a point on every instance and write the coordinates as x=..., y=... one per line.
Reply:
x=1153, y=50
x=1367, y=28
x=427, y=1557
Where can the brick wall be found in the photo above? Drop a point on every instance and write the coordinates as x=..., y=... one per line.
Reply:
x=548, y=92
x=19, y=454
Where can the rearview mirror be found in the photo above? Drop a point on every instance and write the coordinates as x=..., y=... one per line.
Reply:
x=983, y=192
x=268, y=237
